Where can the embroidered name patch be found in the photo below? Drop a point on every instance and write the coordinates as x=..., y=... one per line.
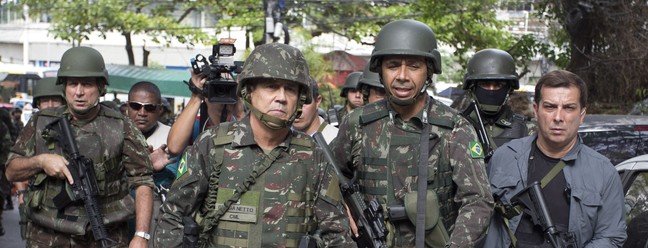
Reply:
x=244, y=210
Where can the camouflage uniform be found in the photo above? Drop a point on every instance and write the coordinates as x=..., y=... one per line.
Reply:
x=5, y=145
x=295, y=195
x=121, y=160
x=375, y=142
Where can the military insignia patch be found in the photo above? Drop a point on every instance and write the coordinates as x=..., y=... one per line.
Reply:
x=476, y=150
x=182, y=166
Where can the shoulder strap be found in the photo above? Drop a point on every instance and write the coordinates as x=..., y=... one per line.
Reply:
x=421, y=192
x=552, y=173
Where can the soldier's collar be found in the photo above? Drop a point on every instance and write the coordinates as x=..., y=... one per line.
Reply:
x=418, y=119
x=244, y=135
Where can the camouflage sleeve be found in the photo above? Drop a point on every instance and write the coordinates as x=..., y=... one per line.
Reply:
x=344, y=147
x=473, y=190
x=24, y=146
x=333, y=222
x=135, y=157
x=184, y=197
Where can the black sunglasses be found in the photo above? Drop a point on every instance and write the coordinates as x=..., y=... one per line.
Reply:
x=149, y=107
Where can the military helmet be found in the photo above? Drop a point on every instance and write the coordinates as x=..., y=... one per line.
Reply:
x=491, y=64
x=275, y=61
x=47, y=87
x=406, y=37
x=351, y=82
x=370, y=78
x=82, y=62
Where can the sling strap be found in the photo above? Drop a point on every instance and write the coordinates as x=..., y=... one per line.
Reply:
x=421, y=193
x=510, y=211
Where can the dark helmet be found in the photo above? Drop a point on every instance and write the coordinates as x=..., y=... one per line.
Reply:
x=491, y=64
x=82, y=62
x=351, y=82
x=406, y=37
x=370, y=78
x=47, y=87
x=275, y=61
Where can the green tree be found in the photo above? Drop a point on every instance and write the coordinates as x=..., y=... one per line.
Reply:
x=606, y=46
x=75, y=20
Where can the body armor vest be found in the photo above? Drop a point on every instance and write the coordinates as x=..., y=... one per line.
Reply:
x=103, y=146
x=387, y=170
x=278, y=207
x=518, y=129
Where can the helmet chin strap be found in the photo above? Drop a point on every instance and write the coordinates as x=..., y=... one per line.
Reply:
x=410, y=101
x=83, y=114
x=269, y=120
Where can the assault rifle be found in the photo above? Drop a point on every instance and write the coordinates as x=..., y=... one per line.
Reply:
x=533, y=203
x=369, y=217
x=85, y=182
x=479, y=127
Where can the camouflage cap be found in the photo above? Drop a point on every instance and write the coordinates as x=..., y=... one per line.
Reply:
x=275, y=61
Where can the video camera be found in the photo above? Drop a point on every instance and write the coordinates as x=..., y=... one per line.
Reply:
x=218, y=89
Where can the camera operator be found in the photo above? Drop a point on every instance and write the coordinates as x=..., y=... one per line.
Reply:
x=180, y=136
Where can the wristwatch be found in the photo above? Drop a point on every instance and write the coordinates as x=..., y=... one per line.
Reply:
x=143, y=235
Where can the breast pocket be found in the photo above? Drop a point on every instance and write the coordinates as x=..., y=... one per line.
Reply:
x=589, y=203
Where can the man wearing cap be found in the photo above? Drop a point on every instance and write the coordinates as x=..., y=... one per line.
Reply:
x=113, y=144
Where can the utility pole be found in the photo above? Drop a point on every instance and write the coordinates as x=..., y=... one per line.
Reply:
x=274, y=27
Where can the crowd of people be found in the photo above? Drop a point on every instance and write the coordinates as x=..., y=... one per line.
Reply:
x=254, y=177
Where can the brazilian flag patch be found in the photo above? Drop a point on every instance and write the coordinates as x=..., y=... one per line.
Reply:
x=476, y=150
x=182, y=166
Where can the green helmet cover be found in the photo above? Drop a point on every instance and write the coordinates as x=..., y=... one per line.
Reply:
x=275, y=61
x=406, y=37
x=351, y=82
x=47, y=87
x=491, y=64
x=82, y=62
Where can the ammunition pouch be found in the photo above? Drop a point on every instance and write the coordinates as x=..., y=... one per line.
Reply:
x=73, y=219
x=436, y=233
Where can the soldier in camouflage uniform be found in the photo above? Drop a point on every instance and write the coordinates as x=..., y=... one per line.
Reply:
x=5, y=145
x=351, y=94
x=370, y=86
x=491, y=78
x=113, y=143
x=48, y=94
x=381, y=142
x=256, y=182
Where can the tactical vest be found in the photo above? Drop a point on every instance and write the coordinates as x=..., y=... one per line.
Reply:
x=518, y=129
x=97, y=141
x=278, y=208
x=393, y=152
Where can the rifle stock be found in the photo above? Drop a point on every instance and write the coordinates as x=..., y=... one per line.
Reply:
x=369, y=217
x=85, y=182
